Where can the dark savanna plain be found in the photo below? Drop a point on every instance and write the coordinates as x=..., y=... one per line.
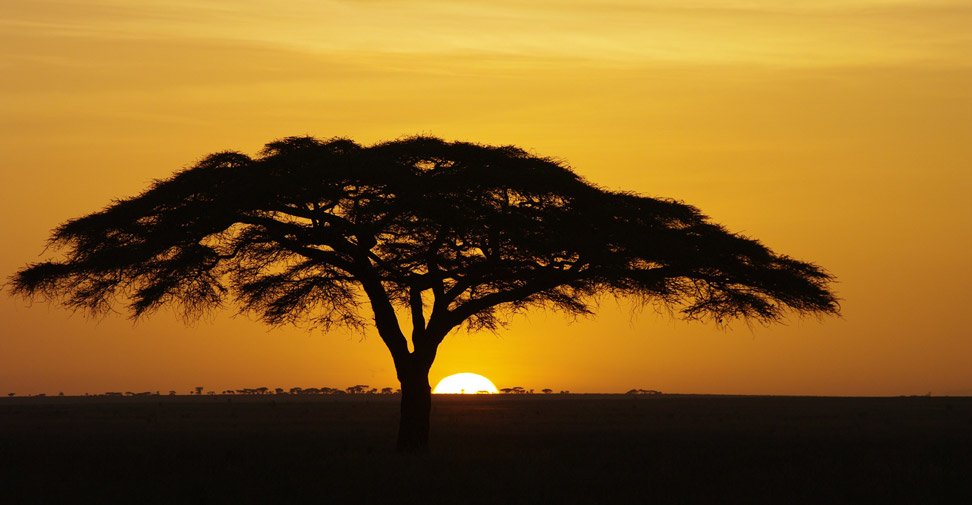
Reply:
x=836, y=132
x=487, y=449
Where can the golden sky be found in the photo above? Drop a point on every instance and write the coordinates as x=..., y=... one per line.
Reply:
x=838, y=132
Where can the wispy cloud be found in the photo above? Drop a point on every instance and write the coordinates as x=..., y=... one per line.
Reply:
x=621, y=32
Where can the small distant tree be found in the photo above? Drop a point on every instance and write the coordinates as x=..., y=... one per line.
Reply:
x=386, y=391
x=198, y=390
x=547, y=391
x=358, y=389
x=448, y=234
x=11, y=394
x=172, y=392
x=648, y=392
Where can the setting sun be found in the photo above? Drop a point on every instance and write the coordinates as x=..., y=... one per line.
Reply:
x=464, y=384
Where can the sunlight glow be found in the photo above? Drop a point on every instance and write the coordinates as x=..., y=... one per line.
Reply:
x=464, y=384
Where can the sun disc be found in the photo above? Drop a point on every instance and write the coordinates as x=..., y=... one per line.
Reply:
x=464, y=384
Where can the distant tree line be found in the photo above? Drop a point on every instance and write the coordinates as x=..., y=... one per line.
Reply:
x=519, y=390
x=358, y=389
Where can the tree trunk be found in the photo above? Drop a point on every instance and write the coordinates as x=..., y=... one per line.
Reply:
x=413, y=428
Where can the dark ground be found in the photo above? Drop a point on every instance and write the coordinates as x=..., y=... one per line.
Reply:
x=487, y=449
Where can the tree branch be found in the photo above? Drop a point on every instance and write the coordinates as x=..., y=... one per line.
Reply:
x=418, y=315
x=456, y=316
x=386, y=321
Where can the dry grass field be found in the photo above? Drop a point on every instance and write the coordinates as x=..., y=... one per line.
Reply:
x=487, y=449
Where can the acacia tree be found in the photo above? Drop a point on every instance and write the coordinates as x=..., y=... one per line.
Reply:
x=446, y=234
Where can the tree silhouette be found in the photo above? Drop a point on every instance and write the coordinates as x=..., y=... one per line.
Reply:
x=650, y=392
x=358, y=389
x=445, y=233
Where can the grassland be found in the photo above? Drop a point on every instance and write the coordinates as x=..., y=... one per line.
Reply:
x=487, y=449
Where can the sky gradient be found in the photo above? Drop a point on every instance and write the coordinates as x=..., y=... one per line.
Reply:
x=838, y=132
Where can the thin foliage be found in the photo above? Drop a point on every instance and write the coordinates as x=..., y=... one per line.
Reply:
x=455, y=233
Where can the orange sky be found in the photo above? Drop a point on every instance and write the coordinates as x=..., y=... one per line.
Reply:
x=839, y=133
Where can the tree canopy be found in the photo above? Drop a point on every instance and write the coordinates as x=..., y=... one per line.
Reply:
x=451, y=233
x=303, y=230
